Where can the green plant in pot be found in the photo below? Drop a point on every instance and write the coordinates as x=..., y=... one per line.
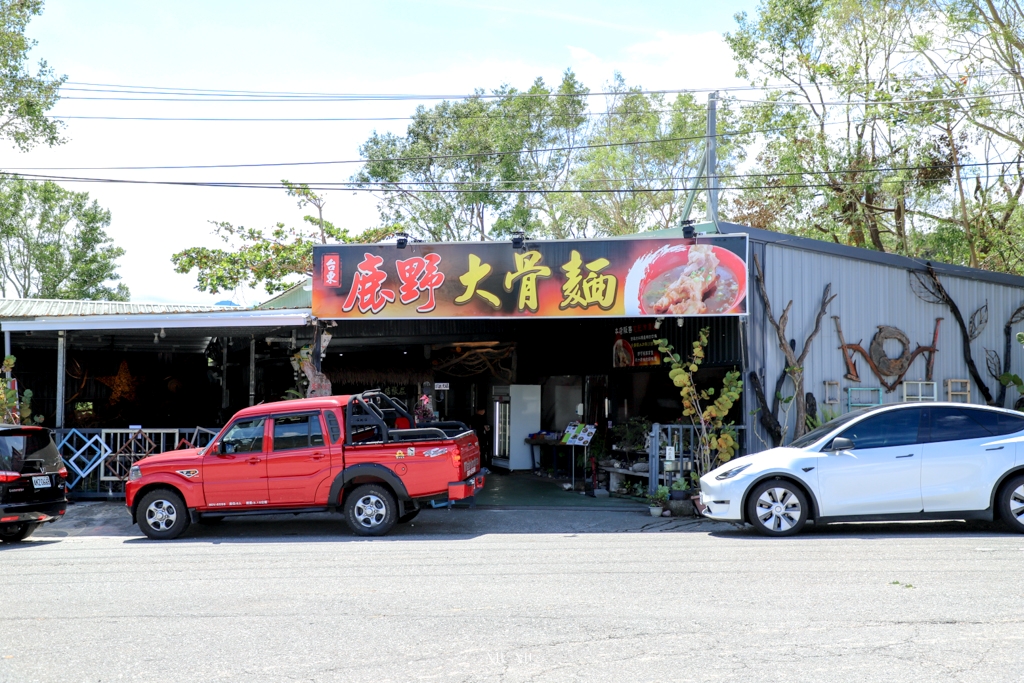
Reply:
x=679, y=501
x=657, y=500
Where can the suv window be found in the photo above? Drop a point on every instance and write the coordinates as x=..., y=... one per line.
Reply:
x=891, y=428
x=30, y=451
x=996, y=422
x=955, y=424
x=333, y=427
x=245, y=436
x=297, y=431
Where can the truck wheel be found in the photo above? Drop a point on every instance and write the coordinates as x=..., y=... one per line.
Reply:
x=16, y=532
x=408, y=516
x=162, y=515
x=370, y=510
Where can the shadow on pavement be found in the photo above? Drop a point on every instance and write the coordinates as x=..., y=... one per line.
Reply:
x=871, y=530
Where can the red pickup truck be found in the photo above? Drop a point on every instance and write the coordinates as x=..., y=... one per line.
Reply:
x=363, y=455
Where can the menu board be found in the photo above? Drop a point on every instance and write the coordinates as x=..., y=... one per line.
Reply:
x=577, y=434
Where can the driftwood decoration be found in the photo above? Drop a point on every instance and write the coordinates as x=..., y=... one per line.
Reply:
x=992, y=357
x=769, y=419
x=928, y=287
x=476, y=359
x=794, y=363
x=882, y=365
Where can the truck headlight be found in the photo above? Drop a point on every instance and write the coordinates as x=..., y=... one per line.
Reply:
x=729, y=474
x=134, y=473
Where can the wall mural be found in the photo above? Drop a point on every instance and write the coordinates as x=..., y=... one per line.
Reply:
x=881, y=364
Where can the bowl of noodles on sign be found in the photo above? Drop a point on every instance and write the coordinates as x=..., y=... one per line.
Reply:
x=684, y=279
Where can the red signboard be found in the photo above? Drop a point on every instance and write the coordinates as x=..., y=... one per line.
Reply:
x=330, y=270
x=699, y=276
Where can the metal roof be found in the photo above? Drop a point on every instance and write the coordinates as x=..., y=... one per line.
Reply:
x=48, y=308
x=221, y=318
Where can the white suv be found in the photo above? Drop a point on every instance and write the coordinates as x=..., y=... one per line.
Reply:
x=885, y=463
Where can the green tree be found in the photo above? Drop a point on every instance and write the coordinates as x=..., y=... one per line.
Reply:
x=837, y=75
x=439, y=181
x=54, y=245
x=271, y=257
x=629, y=188
x=24, y=98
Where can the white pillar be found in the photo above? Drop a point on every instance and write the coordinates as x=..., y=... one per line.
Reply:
x=60, y=379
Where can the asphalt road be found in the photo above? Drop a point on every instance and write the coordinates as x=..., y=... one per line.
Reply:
x=511, y=595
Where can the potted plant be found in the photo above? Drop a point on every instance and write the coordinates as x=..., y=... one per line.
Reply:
x=657, y=501
x=679, y=498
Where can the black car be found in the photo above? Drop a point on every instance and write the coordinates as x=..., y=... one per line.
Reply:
x=32, y=481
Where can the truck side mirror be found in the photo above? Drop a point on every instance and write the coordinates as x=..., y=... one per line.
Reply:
x=841, y=444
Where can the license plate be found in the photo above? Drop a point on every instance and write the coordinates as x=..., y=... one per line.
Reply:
x=41, y=482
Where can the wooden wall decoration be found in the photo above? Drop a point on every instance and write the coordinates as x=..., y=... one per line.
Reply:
x=881, y=364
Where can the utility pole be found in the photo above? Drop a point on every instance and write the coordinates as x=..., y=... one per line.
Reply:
x=712, y=159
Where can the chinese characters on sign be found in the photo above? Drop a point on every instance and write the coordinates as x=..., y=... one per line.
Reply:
x=581, y=278
x=366, y=287
x=635, y=346
x=331, y=270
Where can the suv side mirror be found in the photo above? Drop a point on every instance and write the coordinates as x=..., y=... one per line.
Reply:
x=841, y=444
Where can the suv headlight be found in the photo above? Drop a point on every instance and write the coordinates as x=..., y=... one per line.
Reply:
x=134, y=473
x=729, y=474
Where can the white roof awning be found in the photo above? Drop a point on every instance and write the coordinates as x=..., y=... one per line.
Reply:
x=154, y=321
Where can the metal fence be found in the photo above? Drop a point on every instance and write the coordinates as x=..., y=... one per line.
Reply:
x=98, y=460
x=680, y=438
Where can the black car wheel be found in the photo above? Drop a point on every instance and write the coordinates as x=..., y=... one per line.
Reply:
x=777, y=508
x=371, y=510
x=1011, y=503
x=15, y=533
x=162, y=515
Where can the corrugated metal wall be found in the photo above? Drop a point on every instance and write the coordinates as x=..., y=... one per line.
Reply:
x=868, y=295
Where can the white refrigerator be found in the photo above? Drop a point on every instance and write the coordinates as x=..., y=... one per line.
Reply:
x=515, y=418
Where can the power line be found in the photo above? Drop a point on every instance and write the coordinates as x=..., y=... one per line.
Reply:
x=873, y=103
x=724, y=134
x=193, y=92
x=355, y=186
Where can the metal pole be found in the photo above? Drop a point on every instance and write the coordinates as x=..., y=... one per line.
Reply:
x=224, y=373
x=652, y=459
x=7, y=347
x=712, y=159
x=252, y=371
x=60, y=379
x=316, y=346
x=693, y=190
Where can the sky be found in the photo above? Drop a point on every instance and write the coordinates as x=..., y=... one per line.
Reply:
x=447, y=47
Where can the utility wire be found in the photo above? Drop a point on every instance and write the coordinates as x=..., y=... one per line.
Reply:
x=356, y=186
x=724, y=134
x=147, y=89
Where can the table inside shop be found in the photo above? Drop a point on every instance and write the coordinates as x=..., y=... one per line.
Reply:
x=553, y=446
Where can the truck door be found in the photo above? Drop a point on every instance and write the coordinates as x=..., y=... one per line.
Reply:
x=298, y=460
x=235, y=471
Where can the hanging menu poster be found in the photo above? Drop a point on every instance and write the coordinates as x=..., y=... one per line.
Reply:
x=635, y=346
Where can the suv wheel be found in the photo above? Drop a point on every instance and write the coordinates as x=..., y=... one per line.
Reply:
x=370, y=510
x=162, y=515
x=777, y=508
x=1011, y=503
x=16, y=532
